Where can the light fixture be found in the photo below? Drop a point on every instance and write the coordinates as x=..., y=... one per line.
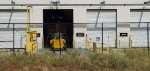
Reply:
x=55, y=3
x=103, y=2
x=12, y=2
x=148, y=2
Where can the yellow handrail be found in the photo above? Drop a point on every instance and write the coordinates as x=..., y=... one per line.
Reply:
x=116, y=40
x=130, y=41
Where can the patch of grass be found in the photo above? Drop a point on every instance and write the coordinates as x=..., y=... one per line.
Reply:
x=128, y=60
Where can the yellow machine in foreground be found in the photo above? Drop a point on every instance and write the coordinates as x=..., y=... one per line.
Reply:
x=31, y=38
x=57, y=42
x=31, y=42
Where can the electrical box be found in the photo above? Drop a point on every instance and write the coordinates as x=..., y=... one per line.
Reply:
x=38, y=34
x=31, y=42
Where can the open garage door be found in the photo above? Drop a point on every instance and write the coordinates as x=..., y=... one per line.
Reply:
x=58, y=20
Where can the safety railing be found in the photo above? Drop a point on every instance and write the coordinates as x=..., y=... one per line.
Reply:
x=79, y=35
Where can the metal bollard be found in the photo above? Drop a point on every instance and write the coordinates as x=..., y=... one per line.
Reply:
x=94, y=47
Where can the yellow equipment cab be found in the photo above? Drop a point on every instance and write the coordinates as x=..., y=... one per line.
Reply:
x=57, y=42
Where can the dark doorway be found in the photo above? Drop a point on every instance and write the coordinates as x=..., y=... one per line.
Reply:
x=58, y=20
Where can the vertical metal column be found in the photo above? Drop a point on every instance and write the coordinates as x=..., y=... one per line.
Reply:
x=116, y=42
x=59, y=37
x=21, y=41
x=102, y=38
x=13, y=38
x=27, y=20
x=148, y=37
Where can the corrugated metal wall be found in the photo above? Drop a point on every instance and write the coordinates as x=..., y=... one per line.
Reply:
x=139, y=33
x=6, y=32
x=95, y=33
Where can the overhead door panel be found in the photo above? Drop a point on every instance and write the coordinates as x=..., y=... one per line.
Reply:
x=94, y=33
x=18, y=16
x=138, y=29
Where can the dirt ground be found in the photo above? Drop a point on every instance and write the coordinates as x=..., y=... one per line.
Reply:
x=39, y=67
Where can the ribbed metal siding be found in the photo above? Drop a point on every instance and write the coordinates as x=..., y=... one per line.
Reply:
x=109, y=28
x=139, y=34
x=6, y=33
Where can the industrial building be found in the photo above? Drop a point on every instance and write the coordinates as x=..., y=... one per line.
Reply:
x=111, y=23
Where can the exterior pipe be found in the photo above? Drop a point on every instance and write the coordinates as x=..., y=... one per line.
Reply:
x=76, y=5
